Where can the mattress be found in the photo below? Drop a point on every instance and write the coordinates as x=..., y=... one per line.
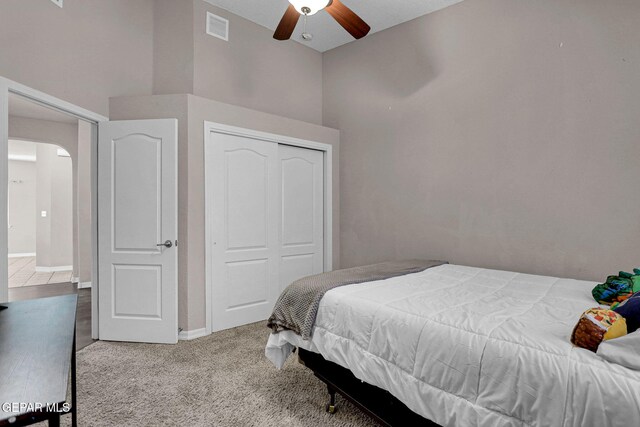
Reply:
x=465, y=346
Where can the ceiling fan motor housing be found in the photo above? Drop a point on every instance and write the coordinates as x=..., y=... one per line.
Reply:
x=309, y=7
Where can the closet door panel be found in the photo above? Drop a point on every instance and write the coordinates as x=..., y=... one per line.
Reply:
x=293, y=267
x=246, y=199
x=301, y=218
x=245, y=248
x=297, y=200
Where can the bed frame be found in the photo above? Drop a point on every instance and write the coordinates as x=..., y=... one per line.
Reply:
x=374, y=401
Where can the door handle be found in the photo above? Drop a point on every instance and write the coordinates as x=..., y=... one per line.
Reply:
x=166, y=244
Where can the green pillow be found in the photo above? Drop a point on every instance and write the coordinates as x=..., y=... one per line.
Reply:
x=615, y=289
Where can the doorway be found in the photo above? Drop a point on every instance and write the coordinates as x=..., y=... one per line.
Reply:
x=70, y=133
x=130, y=292
x=47, y=230
x=40, y=212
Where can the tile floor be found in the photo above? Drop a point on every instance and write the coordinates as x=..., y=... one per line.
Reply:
x=22, y=272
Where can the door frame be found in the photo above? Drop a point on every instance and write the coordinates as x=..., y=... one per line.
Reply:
x=11, y=87
x=326, y=149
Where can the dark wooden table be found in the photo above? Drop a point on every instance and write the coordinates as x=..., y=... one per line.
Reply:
x=37, y=357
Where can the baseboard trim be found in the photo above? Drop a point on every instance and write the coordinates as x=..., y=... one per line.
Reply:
x=54, y=269
x=84, y=285
x=28, y=254
x=192, y=335
x=75, y=280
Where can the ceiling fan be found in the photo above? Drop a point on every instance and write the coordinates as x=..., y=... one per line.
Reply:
x=341, y=13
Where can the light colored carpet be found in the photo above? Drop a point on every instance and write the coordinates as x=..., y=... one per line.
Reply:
x=220, y=380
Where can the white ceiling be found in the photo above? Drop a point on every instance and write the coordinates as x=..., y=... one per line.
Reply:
x=327, y=34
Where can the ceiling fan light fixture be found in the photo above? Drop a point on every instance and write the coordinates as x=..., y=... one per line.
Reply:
x=338, y=11
x=309, y=6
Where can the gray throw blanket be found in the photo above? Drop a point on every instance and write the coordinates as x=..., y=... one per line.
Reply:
x=297, y=307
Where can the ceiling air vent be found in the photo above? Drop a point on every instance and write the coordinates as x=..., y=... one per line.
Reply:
x=57, y=2
x=217, y=26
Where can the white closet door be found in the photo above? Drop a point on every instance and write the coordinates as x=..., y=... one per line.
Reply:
x=245, y=233
x=302, y=221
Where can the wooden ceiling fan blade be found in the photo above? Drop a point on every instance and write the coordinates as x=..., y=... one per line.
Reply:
x=348, y=19
x=287, y=24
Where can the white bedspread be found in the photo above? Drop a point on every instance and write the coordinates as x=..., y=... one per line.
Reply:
x=465, y=346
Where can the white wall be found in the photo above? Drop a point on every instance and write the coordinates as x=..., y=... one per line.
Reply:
x=35, y=186
x=54, y=233
x=22, y=207
x=64, y=135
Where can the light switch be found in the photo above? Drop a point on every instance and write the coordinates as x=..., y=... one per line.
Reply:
x=43, y=214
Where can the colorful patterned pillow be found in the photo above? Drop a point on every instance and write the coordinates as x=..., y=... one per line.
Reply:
x=615, y=289
x=634, y=277
x=597, y=325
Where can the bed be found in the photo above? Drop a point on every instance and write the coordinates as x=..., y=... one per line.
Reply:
x=464, y=346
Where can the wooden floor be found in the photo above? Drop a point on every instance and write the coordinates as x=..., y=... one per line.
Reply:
x=22, y=272
x=83, y=315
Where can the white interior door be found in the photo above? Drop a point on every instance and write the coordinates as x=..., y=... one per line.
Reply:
x=137, y=214
x=245, y=242
x=301, y=219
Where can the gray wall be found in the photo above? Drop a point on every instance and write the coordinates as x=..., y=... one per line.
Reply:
x=497, y=133
x=191, y=112
x=173, y=59
x=494, y=133
x=92, y=50
x=251, y=70
x=255, y=71
x=22, y=207
x=83, y=53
